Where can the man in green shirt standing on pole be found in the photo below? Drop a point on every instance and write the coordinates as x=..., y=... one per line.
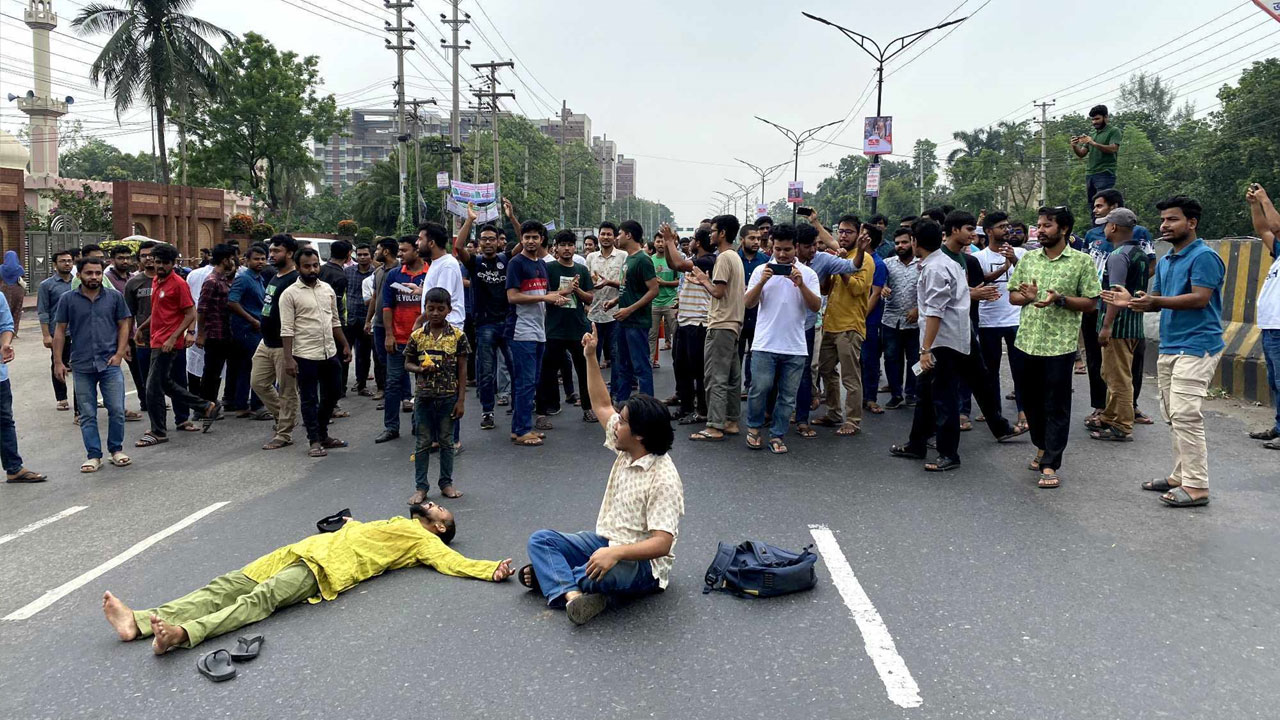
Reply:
x=1099, y=150
x=664, y=305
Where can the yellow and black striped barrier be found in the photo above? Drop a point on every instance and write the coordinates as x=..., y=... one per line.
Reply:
x=1243, y=370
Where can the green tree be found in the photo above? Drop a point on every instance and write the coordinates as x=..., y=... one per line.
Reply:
x=99, y=160
x=156, y=53
x=90, y=209
x=254, y=137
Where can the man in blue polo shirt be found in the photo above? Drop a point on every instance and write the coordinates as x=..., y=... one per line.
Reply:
x=97, y=321
x=1188, y=294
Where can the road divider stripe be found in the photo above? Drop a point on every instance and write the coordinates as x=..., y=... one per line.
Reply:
x=67, y=588
x=879, y=644
x=41, y=523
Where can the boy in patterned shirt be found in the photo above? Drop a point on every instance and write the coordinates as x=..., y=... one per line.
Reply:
x=630, y=552
x=437, y=354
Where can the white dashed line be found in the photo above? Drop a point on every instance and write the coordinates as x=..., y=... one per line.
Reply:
x=893, y=671
x=41, y=523
x=67, y=588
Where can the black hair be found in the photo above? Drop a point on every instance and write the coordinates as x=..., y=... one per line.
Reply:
x=450, y=527
x=650, y=421
x=785, y=233
x=1061, y=215
x=91, y=247
x=146, y=245
x=121, y=250
x=566, y=237
x=873, y=232
x=927, y=234
x=632, y=228
x=1190, y=207
x=908, y=219
x=727, y=224
x=707, y=221
x=935, y=214
x=763, y=220
x=339, y=250
x=993, y=219
x=589, y=236
x=1098, y=110
x=60, y=253
x=164, y=253
x=205, y=251
x=221, y=252
x=439, y=295
x=878, y=218
x=805, y=235
x=657, y=236
x=364, y=246
x=436, y=234
x=957, y=219
x=286, y=241
x=305, y=252
x=702, y=236
x=849, y=218
x=388, y=243
x=947, y=208
x=256, y=248
x=102, y=264
x=1112, y=196
x=529, y=226
x=608, y=225
x=488, y=227
x=408, y=239
x=900, y=232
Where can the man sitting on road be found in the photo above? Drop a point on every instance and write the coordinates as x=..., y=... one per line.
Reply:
x=314, y=569
x=630, y=553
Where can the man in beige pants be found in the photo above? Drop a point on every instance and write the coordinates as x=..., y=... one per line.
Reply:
x=277, y=389
x=1187, y=291
x=844, y=326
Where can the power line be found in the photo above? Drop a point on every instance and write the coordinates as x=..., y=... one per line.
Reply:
x=514, y=54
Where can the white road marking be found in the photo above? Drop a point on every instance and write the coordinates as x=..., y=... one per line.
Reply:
x=41, y=523
x=67, y=588
x=893, y=671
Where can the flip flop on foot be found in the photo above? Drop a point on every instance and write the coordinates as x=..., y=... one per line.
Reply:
x=277, y=443
x=26, y=476
x=753, y=440
x=942, y=464
x=804, y=431
x=1180, y=498
x=777, y=447
x=1049, y=481
x=92, y=465
x=317, y=451
x=63, y=405
x=150, y=439
x=707, y=435
x=528, y=440
x=332, y=443
x=529, y=578
x=848, y=430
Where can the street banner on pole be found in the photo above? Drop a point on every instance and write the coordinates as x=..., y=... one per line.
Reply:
x=474, y=192
x=1269, y=7
x=761, y=210
x=795, y=192
x=873, y=181
x=442, y=179
x=551, y=226
x=877, y=135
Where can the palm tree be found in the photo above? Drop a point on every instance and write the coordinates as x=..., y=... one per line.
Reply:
x=157, y=52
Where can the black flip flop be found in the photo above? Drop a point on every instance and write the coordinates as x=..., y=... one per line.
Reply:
x=1158, y=485
x=216, y=666
x=1182, y=499
x=247, y=648
x=533, y=578
x=206, y=420
x=942, y=464
x=334, y=522
x=902, y=452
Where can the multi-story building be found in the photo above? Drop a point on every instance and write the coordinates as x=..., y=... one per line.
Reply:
x=626, y=174
x=577, y=128
x=370, y=138
x=606, y=153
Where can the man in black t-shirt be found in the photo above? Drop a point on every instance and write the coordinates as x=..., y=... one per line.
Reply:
x=268, y=360
x=566, y=324
x=488, y=272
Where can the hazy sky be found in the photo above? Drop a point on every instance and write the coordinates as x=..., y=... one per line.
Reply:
x=676, y=84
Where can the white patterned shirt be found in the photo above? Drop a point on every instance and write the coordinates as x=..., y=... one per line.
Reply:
x=642, y=496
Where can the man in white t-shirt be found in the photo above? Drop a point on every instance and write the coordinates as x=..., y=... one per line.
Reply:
x=1266, y=223
x=785, y=292
x=998, y=319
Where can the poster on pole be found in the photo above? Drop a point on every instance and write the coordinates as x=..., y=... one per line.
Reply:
x=877, y=135
x=873, y=181
x=478, y=193
x=442, y=179
x=761, y=210
x=1269, y=7
x=795, y=192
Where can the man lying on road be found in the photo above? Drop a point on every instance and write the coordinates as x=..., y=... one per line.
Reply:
x=314, y=569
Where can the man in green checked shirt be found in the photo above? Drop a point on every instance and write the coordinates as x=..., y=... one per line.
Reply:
x=1054, y=284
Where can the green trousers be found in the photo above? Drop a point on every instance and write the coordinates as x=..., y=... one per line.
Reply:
x=232, y=601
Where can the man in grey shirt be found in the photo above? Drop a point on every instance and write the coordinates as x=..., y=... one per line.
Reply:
x=942, y=297
x=385, y=255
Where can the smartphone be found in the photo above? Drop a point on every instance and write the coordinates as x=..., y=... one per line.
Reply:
x=918, y=369
x=780, y=270
x=805, y=211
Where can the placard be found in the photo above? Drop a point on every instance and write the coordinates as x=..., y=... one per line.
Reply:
x=474, y=192
x=442, y=179
x=877, y=135
x=761, y=210
x=795, y=192
x=1270, y=7
x=873, y=181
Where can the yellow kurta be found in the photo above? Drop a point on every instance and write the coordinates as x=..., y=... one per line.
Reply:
x=359, y=551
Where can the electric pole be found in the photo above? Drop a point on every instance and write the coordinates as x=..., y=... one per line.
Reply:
x=577, y=220
x=564, y=112
x=401, y=138
x=604, y=164
x=418, y=215
x=455, y=133
x=920, y=163
x=1044, y=147
x=492, y=95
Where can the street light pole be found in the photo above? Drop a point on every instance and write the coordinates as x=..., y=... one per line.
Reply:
x=882, y=56
x=762, y=172
x=746, y=196
x=798, y=139
x=724, y=205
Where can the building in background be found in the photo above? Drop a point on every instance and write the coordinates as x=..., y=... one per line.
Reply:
x=626, y=183
x=606, y=154
x=577, y=128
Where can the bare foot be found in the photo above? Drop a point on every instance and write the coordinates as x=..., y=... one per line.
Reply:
x=449, y=492
x=167, y=636
x=120, y=617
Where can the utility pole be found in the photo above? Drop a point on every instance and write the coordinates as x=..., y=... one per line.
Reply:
x=798, y=139
x=525, y=198
x=564, y=112
x=455, y=133
x=577, y=220
x=418, y=215
x=492, y=95
x=920, y=163
x=1044, y=148
x=401, y=137
x=604, y=164
x=882, y=56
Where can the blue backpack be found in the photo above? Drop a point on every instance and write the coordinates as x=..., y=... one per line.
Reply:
x=757, y=569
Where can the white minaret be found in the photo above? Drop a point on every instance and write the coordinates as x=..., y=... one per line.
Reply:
x=40, y=106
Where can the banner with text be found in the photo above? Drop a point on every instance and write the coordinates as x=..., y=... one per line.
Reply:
x=761, y=210
x=795, y=192
x=877, y=136
x=873, y=181
x=478, y=193
x=442, y=179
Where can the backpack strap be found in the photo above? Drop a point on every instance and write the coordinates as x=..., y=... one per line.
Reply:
x=719, y=566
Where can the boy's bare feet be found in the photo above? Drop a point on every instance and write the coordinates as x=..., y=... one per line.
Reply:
x=167, y=636
x=120, y=617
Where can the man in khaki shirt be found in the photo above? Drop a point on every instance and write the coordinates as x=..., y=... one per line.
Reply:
x=722, y=367
x=311, y=330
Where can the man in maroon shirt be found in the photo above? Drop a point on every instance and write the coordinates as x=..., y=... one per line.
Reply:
x=214, y=327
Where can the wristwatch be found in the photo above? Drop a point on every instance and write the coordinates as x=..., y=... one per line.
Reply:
x=1060, y=301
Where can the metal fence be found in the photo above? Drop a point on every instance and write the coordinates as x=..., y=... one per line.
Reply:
x=42, y=245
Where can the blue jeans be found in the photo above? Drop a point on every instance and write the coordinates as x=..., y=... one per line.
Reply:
x=111, y=382
x=1096, y=183
x=871, y=360
x=804, y=396
x=433, y=418
x=489, y=342
x=240, y=367
x=631, y=367
x=560, y=564
x=380, y=357
x=767, y=370
x=526, y=356
x=8, y=431
x=1271, y=349
x=397, y=389
x=901, y=353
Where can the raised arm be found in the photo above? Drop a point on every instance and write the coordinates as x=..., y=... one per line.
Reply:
x=676, y=260
x=597, y=391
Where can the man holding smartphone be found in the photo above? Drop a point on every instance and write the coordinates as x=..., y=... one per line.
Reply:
x=845, y=326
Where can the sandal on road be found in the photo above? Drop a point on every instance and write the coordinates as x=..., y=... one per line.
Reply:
x=753, y=440
x=903, y=451
x=247, y=648
x=706, y=436
x=92, y=465
x=1180, y=498
x=777, y=447
x=529, y=578
x=942, y=464
x=805, y=431
x=26, y=476
x=1049, y=481
x=1159, y=485
x=848, y=430
x=119, y=459
x=528, y=440
x=216, y=666
x=150, y=439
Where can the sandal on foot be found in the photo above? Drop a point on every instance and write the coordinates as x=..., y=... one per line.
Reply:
x=26, y=476
x=149, y=439
x=1015, y=431
x=1049, y=481
x=331, y=443
x=942, y=464
x=1272, y=445
x=132, y=416
x=340, y=413
x=92, y=465
x=119, y=459
x=529, y=578
x=903, y=451
x=706, y=436
x=804, y=431
x=965, y=425
x=753, y=440
x=317, y=452
x=1112, y=434
x=63, y=405
x=276, y=444
x=1142, y=418
x=1158, y=485
x=529, y=440
x=1035, y=461
x=848, y=430
x=777, y=447
x=873, y=408
x=825, y=421
x=188, y=426
x=1180, y=498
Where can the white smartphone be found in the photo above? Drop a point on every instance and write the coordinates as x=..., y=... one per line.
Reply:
x=918, y=369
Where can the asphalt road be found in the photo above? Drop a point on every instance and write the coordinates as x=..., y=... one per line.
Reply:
x=1002, y=600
